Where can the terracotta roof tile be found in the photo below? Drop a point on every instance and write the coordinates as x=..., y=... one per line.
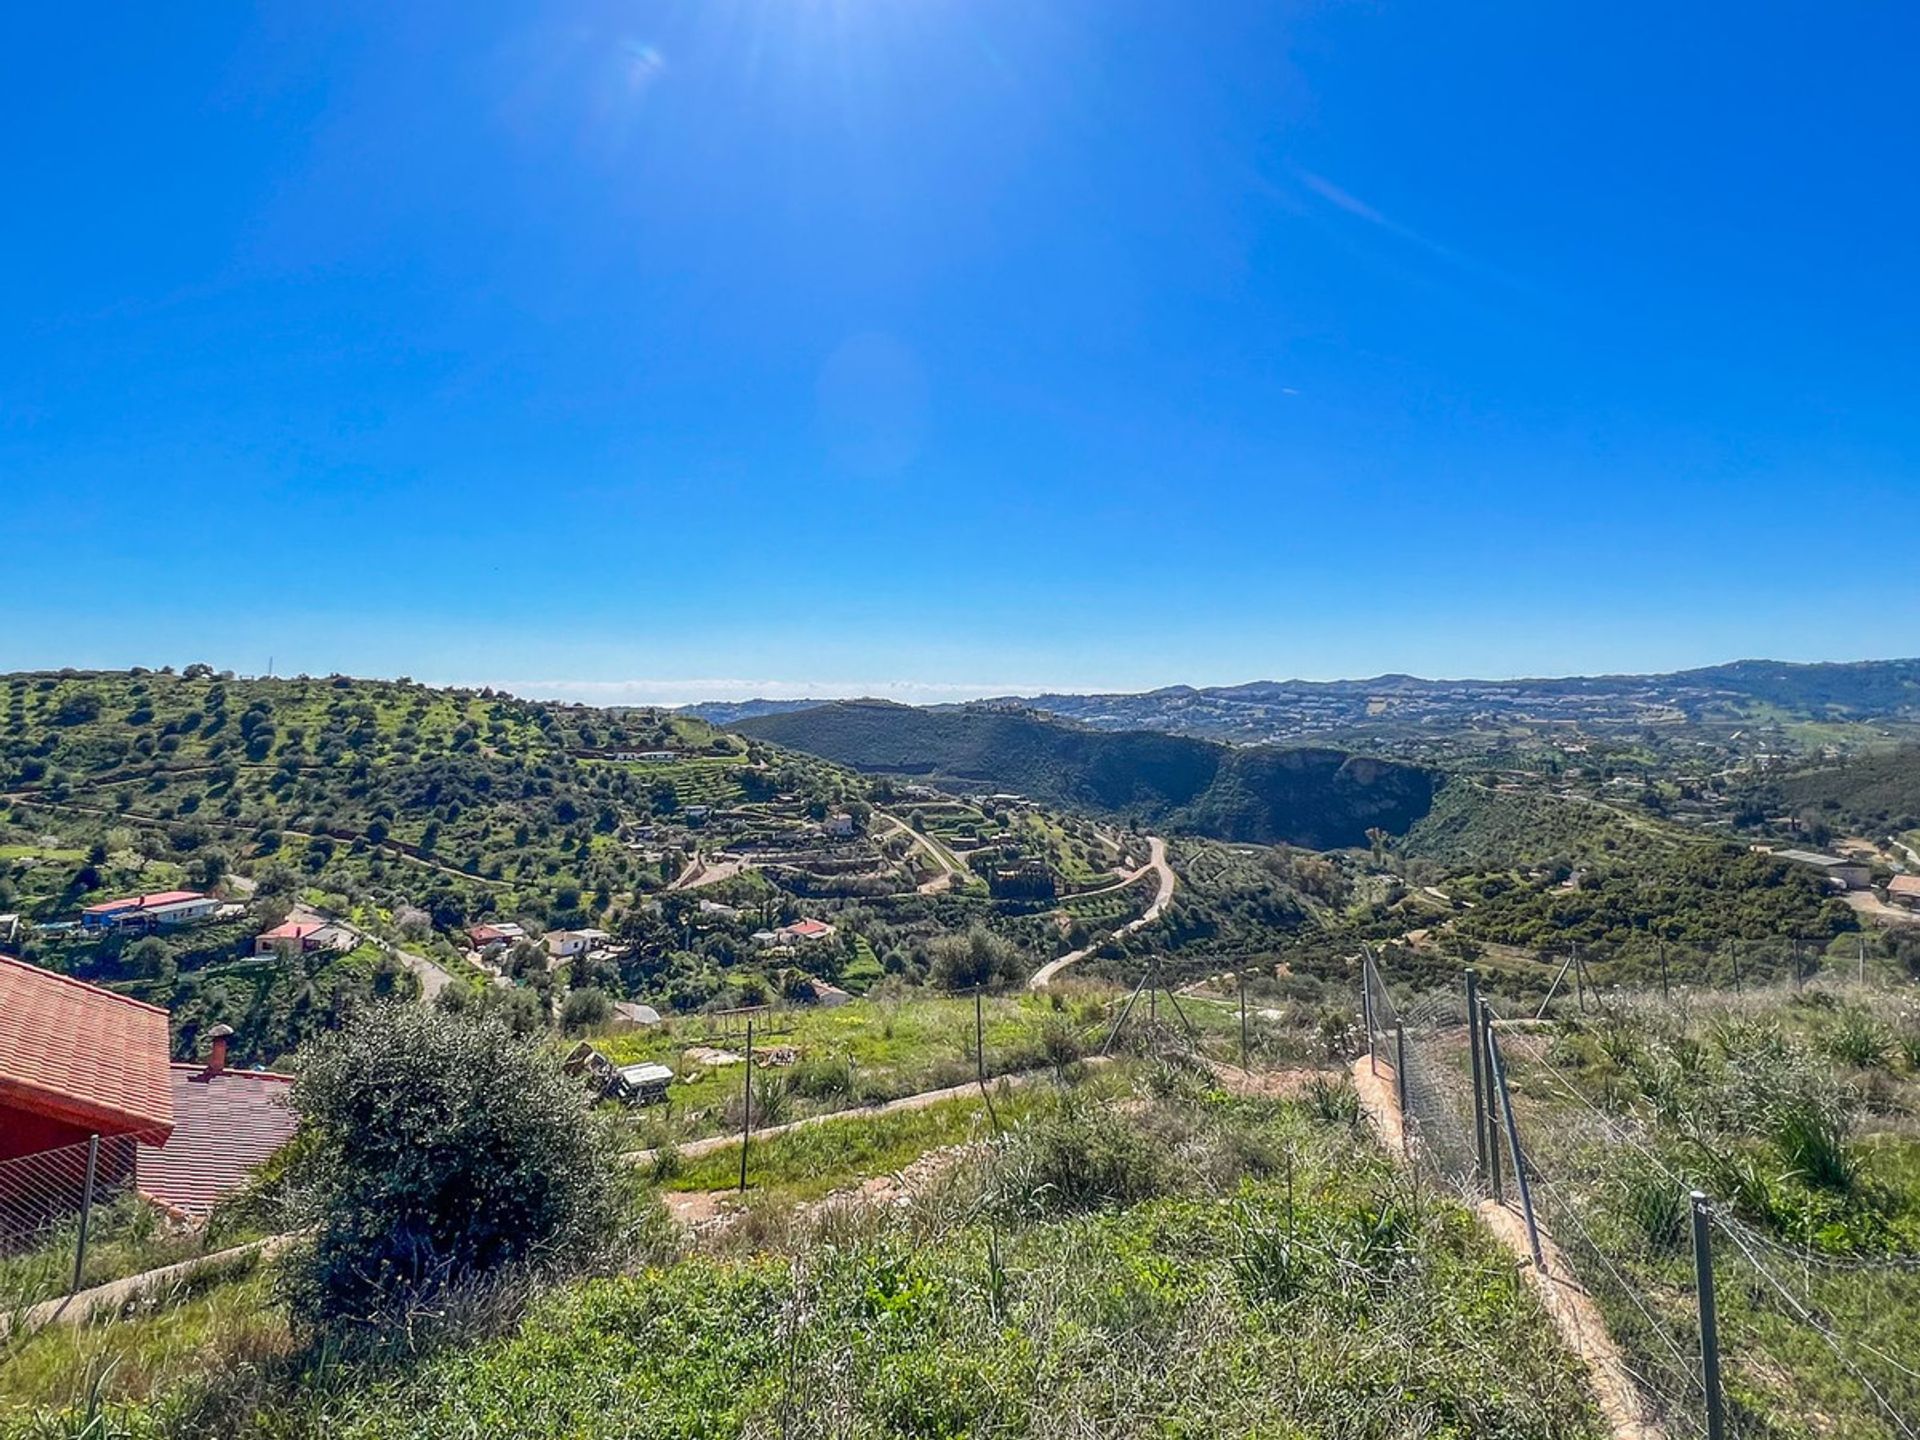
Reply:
x=76, y=1053
x=226, y=1126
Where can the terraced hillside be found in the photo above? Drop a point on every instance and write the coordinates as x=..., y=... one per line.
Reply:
x=1263, y=794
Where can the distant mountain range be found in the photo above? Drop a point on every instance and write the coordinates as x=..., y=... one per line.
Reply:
x=1321, y=798
x=1295, y=710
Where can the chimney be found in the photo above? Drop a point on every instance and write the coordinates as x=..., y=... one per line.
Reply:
x=217, y=1054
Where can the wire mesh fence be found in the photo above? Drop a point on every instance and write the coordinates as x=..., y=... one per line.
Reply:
x=50, y=1191
x=1419, y=1041
x=51, y=1204
x=1648, y=964
x=1826, y=1339
x=1778, y=1335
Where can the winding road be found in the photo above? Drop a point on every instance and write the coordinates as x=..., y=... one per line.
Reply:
x=1156, y=862
x=950, y=870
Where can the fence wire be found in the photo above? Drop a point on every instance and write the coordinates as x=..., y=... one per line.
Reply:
x=1809, y=1343
x=1419, y=1041
x=1850, y=1322
x=46, y=1192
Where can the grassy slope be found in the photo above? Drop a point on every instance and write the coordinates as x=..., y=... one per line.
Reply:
x=1280, y=1278
x=1877, y=793
x=1793, y=1111
x=1473, y=823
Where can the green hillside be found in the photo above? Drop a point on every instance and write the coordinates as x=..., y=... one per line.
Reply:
x=1877, y=792
x=465, y=803
x=1259, y=794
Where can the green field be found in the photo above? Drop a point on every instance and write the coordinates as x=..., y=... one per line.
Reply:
x=851, y=1055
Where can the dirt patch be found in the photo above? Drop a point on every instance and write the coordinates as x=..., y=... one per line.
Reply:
x=1271, y=1084
x=901, y=1186
x=1380, y=1100
x=1581, y=1326
x=708, y=1212
x=699, y=1209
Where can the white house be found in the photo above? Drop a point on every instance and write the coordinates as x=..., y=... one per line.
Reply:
x=565, y=944
x=802, y=932
x=166, y=907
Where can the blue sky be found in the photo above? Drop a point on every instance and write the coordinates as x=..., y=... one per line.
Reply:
x=673, y=348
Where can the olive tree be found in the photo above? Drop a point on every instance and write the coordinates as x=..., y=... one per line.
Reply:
x=436, y=1151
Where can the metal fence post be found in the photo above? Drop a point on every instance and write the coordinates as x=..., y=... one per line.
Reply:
x=1243, y=1020
x=1400, y=1079
x=1709, y=1320
x=1513, y=1148
x=1479, y=1078
x=1366, y=1008
x=746, y=1107
x=1491, y=1103
x=86, y=1211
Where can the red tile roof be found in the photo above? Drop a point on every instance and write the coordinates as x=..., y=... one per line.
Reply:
x=84, y=1056
x=809, y=928
x=143, y=902
x=1904, y=885
x=226, y=1127
x=291, y=930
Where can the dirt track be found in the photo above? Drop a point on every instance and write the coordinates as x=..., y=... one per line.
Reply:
x=1156, y=862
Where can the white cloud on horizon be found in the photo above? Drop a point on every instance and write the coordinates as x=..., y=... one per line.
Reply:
x=694, y=691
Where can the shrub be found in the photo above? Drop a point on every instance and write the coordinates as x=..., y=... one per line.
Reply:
x=1858, y=1039
x=436, y=1152
x=1080, y=1156
x=1332, y=1100
x=978, y=958
x=1812, y=1139
x=1060, y=1043
x=586, y=1009
x=822, y=1077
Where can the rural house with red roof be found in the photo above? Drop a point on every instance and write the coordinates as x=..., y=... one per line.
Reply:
x=76, y=1062
x=302, y=936
x=148, y=912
